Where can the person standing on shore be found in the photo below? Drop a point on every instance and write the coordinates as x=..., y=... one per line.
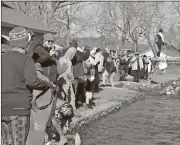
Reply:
x=109, y=72
x=136, y=66
x=19, y=77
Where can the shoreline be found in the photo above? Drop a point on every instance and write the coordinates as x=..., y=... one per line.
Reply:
x=128, y=94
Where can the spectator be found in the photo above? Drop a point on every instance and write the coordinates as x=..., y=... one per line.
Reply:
x=51, y=69
x=98, y=72
x=79, y=72
x=90, y=65
x=47, y=60
x=136, y=65
x=19, y=77
x=106, y=54
x=109, y=71
x=124, y=62
x=68, y=76
x=60, y=50
x=144, y=71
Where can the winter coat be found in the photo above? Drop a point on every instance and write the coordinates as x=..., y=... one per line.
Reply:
x=134, y=64
x=110, y=67
x=77, y=62
x=68, y=56
x=100, y=58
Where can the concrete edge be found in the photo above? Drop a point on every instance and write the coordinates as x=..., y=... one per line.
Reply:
x=105, y=109
x=115, y=106
x=145, y=87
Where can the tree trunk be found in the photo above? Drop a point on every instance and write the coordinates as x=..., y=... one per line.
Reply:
x=123, y=42
x=67, y=38
x=151, y=45
x=136, y=46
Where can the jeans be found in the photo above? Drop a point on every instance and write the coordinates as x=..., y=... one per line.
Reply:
x=110, y=77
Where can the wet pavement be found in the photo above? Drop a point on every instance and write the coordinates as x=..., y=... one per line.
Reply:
x=154, y=121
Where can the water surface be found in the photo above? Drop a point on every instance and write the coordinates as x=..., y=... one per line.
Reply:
x=154, y=121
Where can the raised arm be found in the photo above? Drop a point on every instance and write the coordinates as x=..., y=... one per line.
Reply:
x=43, y=55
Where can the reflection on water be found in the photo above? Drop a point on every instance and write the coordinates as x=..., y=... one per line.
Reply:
x=155, y=121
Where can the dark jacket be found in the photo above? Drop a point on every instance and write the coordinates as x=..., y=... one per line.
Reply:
x=46, y=61
x=106, y=55
x=123, y=63
x=18, y=78
x=78, y=68
x=109, y=66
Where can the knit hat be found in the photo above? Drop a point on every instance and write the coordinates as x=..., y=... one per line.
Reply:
x=73, y=43
x=19, y=37
x=48, y=37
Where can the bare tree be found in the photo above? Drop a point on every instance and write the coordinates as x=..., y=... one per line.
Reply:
x=128, y=21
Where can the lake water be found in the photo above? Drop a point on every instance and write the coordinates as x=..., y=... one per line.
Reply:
x=154, y=121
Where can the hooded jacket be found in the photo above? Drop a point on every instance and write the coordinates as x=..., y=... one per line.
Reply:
x=68, y=56
x=77, y=62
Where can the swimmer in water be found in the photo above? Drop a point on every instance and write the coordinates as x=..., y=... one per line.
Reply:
x=173, y=89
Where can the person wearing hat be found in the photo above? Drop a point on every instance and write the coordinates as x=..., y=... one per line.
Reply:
x=47, y=58
x=51, y=69
x=19, y=77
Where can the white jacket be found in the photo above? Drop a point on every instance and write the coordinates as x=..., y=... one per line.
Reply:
x=133, y=62
x=100, y=58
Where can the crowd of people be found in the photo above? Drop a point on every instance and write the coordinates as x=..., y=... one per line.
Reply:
x=43, y=87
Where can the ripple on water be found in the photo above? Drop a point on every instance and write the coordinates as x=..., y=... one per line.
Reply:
x=155, y=121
